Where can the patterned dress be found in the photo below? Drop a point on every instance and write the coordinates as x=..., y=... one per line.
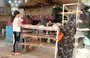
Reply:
x=66, y=45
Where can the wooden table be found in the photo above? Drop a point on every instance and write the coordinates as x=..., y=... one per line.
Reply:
x=35, y=36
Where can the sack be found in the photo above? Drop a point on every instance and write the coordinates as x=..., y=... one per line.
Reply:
x=86, y=40
x=60, y=36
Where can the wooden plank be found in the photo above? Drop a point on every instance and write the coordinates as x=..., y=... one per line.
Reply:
x=41, y=27
x=25, y=36
x=83, y=29
x=39, y=44
x=80, y=12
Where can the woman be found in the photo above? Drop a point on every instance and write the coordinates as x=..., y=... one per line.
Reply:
x=27, y=20
x=49, y=23
x=16, y=31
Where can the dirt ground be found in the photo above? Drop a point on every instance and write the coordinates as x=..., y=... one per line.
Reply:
x=38, y=52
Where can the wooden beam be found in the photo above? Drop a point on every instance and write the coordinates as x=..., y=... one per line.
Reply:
x=65, y=1
x=66, y=13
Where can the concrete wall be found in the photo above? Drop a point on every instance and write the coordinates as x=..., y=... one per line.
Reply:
x=1, y=3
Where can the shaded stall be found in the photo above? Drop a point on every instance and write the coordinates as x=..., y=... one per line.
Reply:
x=43, y=9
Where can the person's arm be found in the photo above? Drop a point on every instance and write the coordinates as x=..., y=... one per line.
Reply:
x=47, y=24
x=20, y=22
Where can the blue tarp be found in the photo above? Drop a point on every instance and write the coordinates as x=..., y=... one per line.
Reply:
x=9, y=34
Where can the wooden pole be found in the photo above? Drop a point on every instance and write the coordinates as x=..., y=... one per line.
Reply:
x=56, y=45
